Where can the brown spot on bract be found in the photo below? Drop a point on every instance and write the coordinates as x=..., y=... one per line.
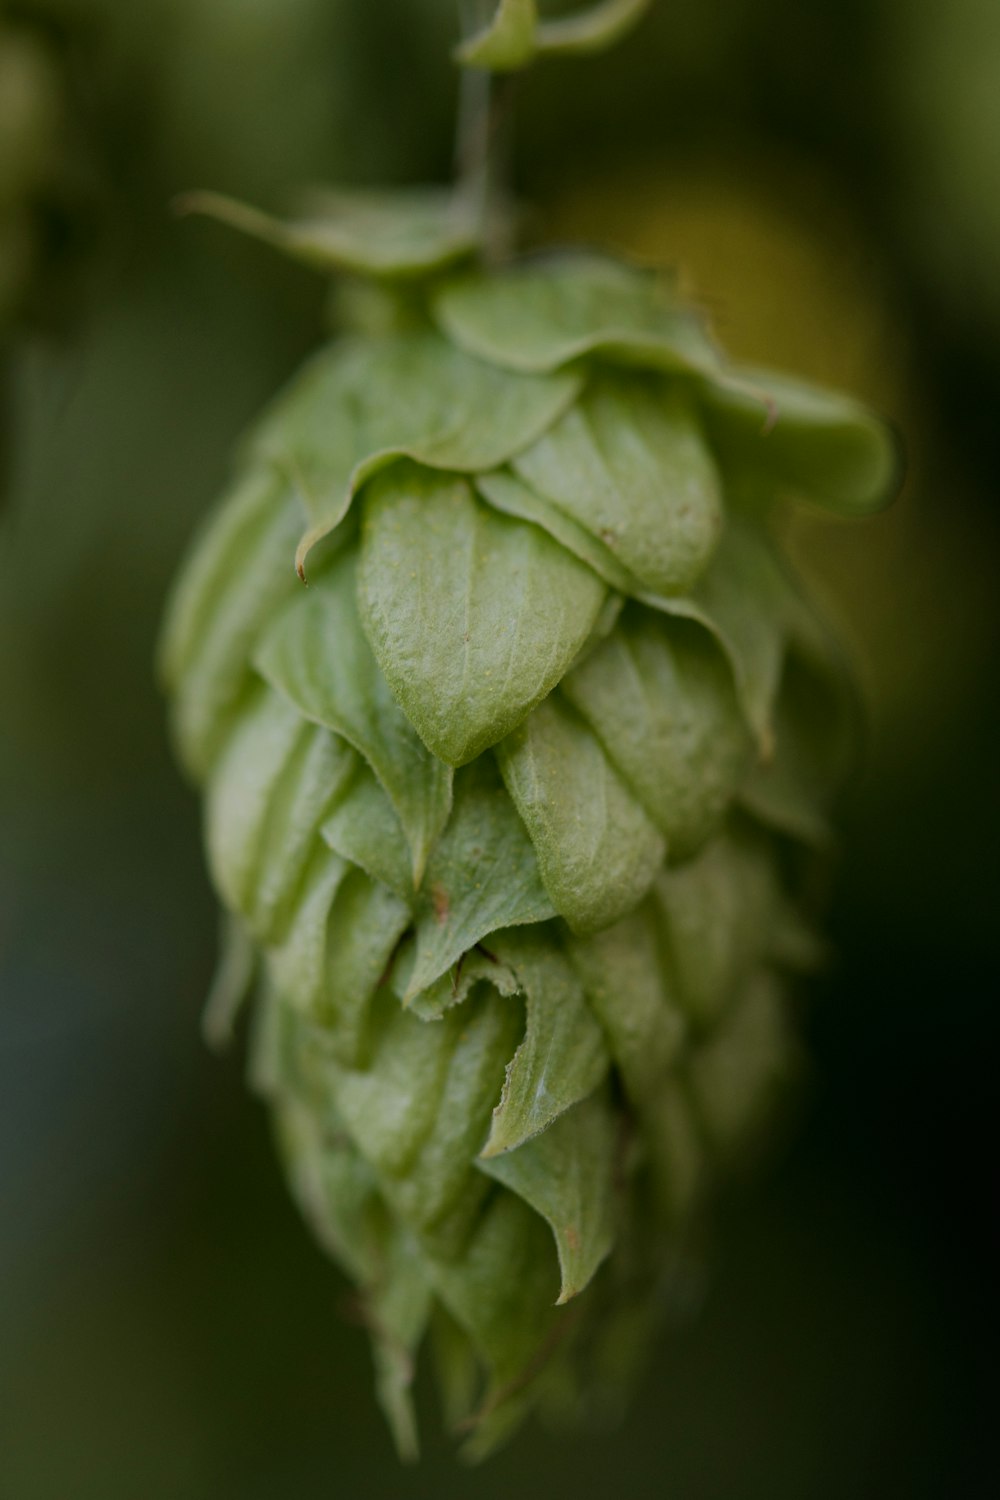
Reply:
x=442, y=906
x=572, y=1236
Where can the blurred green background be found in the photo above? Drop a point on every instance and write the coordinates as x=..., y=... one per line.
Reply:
x=827, y=177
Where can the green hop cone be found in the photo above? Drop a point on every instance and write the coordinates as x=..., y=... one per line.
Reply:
x=517, y=806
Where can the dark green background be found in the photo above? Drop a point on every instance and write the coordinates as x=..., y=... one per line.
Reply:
x=167, y=1329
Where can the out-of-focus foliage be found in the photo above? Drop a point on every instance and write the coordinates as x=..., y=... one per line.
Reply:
x=32, y=135
x=945, y=95
x=159, y=1304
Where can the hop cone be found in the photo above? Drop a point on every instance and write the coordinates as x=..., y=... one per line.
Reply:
x=517, y=806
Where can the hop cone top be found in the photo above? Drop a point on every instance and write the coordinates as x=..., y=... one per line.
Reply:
x=516, y=804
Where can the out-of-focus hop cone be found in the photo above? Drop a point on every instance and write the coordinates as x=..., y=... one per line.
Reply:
x=516, y=804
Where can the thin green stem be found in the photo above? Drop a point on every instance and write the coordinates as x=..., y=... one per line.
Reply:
x=482, y=140
x=472, y=132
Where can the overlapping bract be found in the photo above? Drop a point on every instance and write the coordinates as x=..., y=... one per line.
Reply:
x=516, y=801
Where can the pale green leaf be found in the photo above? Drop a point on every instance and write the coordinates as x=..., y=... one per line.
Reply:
x=817, y=444
x=455, y=1366
x=607, y=619
x=473, y=617
x=231, y=982
x=241, y=790
x=332, y=1184
x=506, y=43
x=365, y=923
x=440, y=1195
x=482, y=875
x=747, y=600
x=502, y=1291
x=270, y=790
x=630, y=991
x=238, y=574
x=398, y=1307
x=298, y=965
x=398, y=233
x=504, y=1409
x=364, y=829
x=563, y=1056
x=541, y=314
x=390, y=1104
x=659, y=695
x=744, y=598
x=718, y=913
x=509, y=494
x=362, y=403
x=628, y=462
x=318, y=771
x=453, y=988
x=316, y=654
x=218, y=551
x=298, y=1048
x=567, y=1174
x=590, y=30
x=272, y=1053
x=337, y=951
x=597, y=850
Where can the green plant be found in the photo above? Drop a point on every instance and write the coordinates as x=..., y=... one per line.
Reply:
x=517, y=807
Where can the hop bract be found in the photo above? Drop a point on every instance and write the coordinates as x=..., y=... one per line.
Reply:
x=516, y=804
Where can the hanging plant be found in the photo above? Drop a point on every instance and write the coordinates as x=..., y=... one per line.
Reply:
x=519, y=742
